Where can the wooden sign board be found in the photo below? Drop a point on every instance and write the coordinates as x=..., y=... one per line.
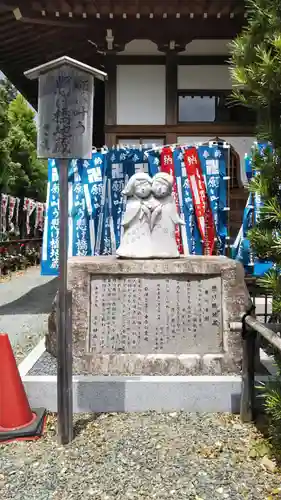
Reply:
x=65, y=109
x=65, y=113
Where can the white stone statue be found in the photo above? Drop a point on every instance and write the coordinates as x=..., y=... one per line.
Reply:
x=150, y=218
x=164, y=218
x=136, y=238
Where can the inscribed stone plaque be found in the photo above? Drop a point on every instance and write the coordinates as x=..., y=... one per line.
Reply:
x=144, y=315
x=65, y=112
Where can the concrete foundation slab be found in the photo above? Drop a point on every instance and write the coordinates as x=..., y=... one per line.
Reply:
x=130, y=393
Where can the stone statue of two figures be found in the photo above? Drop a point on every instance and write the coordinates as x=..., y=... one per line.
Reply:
x=150, y=218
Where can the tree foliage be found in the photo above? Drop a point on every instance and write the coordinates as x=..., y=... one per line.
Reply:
x=256, y=74
x=4, y=131
x=21, y=173
x=10, y=89
x=30, y=173
x=256, y=65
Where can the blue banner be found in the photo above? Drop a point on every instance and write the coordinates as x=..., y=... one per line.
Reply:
x=96, y=202
x=241, y=249
x=50, y=247
x=92, y=177
x=191, y=238
x=213, y=162
x=111, y=208
x=78, y=217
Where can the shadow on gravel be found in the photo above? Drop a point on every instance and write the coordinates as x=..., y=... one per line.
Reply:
x=81, y=424
x=36, y=301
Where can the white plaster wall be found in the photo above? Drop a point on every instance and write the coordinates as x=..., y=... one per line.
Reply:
x=242, y=145
x=141, y=48
x=206, y=48
x=204, y=77
x=141, y=95
x=194, y=48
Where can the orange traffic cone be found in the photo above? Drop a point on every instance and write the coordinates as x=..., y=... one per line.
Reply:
x=17, y=420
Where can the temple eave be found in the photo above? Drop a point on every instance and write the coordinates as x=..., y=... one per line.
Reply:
x=32, y=33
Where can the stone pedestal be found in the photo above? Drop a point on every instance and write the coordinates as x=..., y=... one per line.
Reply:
x=155, y=317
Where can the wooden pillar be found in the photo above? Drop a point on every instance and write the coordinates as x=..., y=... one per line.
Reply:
x=110, y=96
x=171, y=95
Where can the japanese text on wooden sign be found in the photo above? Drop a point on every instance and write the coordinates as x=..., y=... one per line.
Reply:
x=65, y=113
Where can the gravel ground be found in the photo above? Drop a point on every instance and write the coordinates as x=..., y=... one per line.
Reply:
x=144, y=456
x=46, y=365
x=25, y=302
x=141, y=456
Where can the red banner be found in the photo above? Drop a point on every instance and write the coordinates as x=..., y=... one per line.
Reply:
x=167, y=165
x=28, y=205
x=12, y=204
x=39, y=217
x=200, y=199
x=3, y=212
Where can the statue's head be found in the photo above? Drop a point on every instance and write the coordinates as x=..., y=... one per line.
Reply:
x=162, y=184
x=138, y=185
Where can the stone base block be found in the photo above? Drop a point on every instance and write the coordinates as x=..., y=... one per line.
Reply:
x=154, y=364
x=155, y=317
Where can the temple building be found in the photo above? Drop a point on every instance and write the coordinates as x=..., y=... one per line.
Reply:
x=166, y=60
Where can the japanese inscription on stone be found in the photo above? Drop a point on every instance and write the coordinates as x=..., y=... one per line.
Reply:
x=65, y=113
x=145, y=315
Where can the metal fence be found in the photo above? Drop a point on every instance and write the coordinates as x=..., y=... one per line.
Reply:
x=253, y=332
x=261, y=300
x=258, y=330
